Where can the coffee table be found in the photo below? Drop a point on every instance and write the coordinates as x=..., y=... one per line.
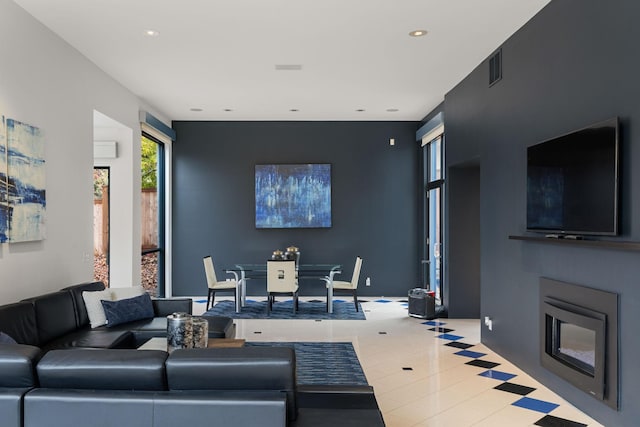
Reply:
x=160, y=343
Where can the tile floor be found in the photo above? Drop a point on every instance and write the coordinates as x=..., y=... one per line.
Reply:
x=429, y=374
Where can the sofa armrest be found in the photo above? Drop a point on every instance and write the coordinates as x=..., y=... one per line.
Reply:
x=18, y=365
x=163, y=307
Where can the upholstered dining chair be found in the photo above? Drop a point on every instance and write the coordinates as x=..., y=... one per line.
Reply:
x=281, y=280
x=214, y=285
x=351, y=287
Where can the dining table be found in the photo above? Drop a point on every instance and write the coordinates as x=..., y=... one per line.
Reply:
x=243, y=272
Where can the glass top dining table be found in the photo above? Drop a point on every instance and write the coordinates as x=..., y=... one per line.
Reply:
x=323, y=272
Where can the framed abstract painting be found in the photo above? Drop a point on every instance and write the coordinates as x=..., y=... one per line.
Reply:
x=22, y=181
x=293, y=195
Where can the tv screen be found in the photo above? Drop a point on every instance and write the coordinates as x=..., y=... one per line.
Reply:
x=572, y=182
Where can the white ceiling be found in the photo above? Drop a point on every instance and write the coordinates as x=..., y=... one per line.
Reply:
x=221, y=54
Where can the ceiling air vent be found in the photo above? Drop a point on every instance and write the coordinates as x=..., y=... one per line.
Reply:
x=495, y=67
x=288, y=67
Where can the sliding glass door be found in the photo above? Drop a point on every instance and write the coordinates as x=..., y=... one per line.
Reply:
x=433, y=202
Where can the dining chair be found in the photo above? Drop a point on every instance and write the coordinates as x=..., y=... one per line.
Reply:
x=281, y=280
x=214, y=285
x=348, y=287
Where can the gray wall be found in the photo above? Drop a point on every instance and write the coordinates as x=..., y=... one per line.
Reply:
x=462, y=271
x=574, y=64
x=374, y=200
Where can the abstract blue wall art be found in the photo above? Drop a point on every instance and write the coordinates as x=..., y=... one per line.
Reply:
x=293, y=196
x=24, y=199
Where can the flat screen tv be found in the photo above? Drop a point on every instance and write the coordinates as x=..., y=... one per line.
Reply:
x=572, y=182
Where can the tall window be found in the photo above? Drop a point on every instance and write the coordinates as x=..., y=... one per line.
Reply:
x=152, y=215
x=433, y=207
x=101, y=224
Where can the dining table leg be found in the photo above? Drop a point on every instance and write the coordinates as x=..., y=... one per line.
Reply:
x=240, y=289
x=330, y=291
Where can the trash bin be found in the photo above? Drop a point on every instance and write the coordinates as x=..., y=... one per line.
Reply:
x=422, y=303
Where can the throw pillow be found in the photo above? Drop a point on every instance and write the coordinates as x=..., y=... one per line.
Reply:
x=124, y=293
x=94, y=307
x=6, y=339
x=128, y=310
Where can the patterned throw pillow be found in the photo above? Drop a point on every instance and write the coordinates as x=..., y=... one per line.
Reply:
x=128, y=310
x=6, y=339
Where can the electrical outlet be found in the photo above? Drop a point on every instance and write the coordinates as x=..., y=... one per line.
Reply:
x=368, y=281
x=86, y=257
x=488, y=322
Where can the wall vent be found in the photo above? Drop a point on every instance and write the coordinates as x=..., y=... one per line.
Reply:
x=495, y=68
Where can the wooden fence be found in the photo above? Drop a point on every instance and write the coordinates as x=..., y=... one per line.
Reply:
x=149, y=218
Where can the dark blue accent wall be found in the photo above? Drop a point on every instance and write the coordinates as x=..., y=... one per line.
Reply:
x=374, y=200
x=574, y=64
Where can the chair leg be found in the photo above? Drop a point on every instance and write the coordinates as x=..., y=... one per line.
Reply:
x=208, y=298
x=295, y=303
x=355, y=299
x=212, y=298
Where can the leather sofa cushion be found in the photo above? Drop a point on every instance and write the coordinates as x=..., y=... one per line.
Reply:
x=107, y=408
x=82, y=318
x=55, y=315
x=103, y=370
x=163, y=307
x=18, y=320
x=18, y=365
x=91, y=338
x=11, y=406
x=219, y=327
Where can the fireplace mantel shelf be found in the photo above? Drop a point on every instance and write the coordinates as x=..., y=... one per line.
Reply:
x=608, y=244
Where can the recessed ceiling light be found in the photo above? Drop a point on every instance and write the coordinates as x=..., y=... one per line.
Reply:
x=392, y=110
x=293, y=110
x=418, y=33
x=151, y=33
x=228, y=110
x=360, y=110
x=195, y=109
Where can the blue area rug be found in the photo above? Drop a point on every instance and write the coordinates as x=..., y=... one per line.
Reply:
x=283, y=309
x=323, y=363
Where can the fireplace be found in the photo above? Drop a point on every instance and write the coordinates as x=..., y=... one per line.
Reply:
x=579, y=337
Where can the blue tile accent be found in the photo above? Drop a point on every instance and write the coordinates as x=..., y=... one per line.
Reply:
x=469, y=353
x=536, y=405
x=383, y=301
x=449, y=337
x=433, y=323
x=497, y=375
x=200, y=301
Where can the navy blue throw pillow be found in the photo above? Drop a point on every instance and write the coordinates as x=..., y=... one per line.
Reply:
x=6, y=339
x=128, y=310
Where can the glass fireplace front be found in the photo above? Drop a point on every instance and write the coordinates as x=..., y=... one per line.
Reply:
x=575, y=345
